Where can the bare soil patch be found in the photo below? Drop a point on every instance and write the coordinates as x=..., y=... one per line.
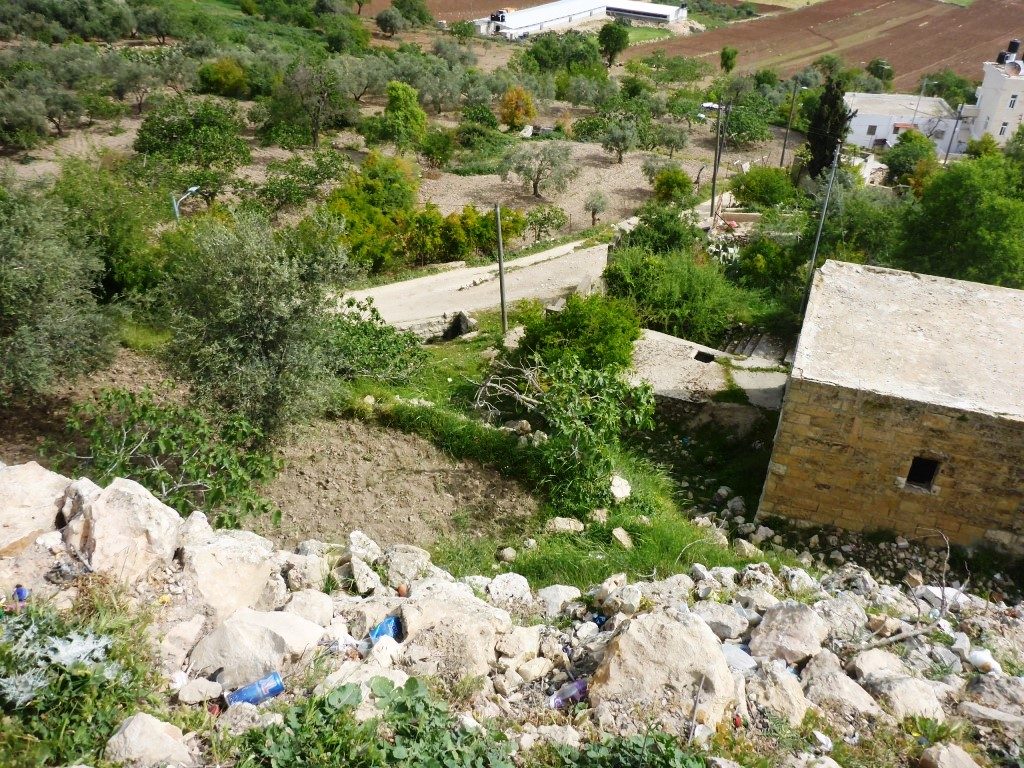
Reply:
x=916, y=36
x=398, y=488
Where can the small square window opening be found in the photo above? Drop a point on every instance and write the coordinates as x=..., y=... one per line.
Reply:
x=922, y=472
x=872, y=129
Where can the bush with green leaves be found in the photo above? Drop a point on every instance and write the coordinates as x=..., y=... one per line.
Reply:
x=437, y=147
x=663, y=228
x=545, y=219
x=673, y=185
x=653, y=749
x=403, y=122
x=68, y=679
x=187, y=459
x=597, y=330
x=764, y=187
x=911, y=147
x=584, y=411
x=358, y=343
x=323, y=731
x=51, y=328
x=248, y=305
x=674, y=293
x=295, y=180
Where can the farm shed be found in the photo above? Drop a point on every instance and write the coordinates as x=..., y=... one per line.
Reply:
x=905, y=409
x=562, y=14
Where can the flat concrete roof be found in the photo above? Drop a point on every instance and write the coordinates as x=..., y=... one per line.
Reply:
x=917, y=337
x=898, y=105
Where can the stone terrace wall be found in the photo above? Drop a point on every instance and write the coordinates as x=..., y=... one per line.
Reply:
x=841, y=457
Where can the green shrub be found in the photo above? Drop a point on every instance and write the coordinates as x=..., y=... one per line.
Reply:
x=764, y=187
x=67, y=680
x=437, y=147
x=296, y=180
x=675, y=294
x=663, y=228
x=480, y=114
x=654, y=749
x=598, y=331
x=357, y=343
x=188, y=460
x=223, y=77
x=51, y=328
x=911, y=148
x=673, y=185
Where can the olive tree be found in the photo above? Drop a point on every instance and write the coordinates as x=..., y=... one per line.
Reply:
x=51, y=328
x=541, y=166
x=595, y=205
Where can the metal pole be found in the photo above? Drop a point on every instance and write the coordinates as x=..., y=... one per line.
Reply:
x=917, y=106
x=501, y=269
x=956, y=125
x=714, y=171
x=174, y=204
x=821, y=225
x=789, y=125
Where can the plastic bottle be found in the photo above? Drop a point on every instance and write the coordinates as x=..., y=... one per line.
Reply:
x=570, y=693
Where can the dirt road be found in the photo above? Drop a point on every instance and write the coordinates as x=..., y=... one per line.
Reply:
x=543, y=276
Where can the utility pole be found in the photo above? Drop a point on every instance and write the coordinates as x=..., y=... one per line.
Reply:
x=821, y=225
x=714, y=168
x=789, y=124
x=956, y=125
x=177, y=201
x=501, y=269
x=924, y=84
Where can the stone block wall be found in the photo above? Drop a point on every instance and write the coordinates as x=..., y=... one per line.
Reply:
x=841, y=457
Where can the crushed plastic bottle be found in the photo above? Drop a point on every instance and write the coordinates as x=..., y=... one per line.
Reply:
x=570, y=693
x=390, y=627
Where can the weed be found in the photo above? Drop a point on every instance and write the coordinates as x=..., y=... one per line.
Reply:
x=928, y=731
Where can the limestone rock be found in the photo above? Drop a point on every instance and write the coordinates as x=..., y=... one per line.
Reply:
x=797, y=580
x=789, y=631
x=535, y=669
x=176, y=640
x=312, y=605
x=621, y=535
x=844, y=615
x=305, y=571
x=775, y=689
x=229, y=571
x=725, y=621
x=946, y=756
x=362, y=546
x=907, y=697
x=988, y=716
x=142, y=741
x=620, y=488
x=251, y=644
x=625, y=600
x=656, y=657
x=124, y=531
x=876, y=664
x=828, y=687
x=199, y=690
x=744, y=548
x=1001, y=692
x=30, y=500
x=365, y=580
x=555, y=598
x=564, y=525
x=519, y=645
x=509, y=591
x=405, y=564
x=451, y=634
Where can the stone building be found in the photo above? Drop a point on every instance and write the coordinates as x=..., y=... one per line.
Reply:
x=905, y=408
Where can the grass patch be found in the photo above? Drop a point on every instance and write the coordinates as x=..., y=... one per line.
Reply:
x=641, y=35
x=141, y=337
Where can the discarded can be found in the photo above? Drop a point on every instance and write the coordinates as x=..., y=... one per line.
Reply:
x=599, y=619
x=390, y=627
x=20, y=593
x=256, y=693
x=570, y=693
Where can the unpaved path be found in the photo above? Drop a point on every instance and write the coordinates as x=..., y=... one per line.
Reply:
x=545, y=275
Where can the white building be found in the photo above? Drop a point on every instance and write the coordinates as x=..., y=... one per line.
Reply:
x=999, y=110
x=563, y=14
x=882, y=117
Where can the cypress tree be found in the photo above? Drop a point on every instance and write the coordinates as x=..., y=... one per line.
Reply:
x=829, y=126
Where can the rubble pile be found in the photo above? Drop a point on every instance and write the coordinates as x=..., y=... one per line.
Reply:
x=690, y=654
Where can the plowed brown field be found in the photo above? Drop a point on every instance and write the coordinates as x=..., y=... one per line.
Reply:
x=916, y=36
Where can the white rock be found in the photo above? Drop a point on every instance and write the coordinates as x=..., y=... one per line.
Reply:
x=828, y=687
x=738, y=659
x=744, y=548
x=789, y=631
x=535, y=669
x=174, y=641
x=946, y=756
x=774, y=689
x=620, y=488
x=405, y=564
x=956, y=600
x=564, y=525
x=365, y=580
x=229, y=571
x=362, y=546
x=199, y=690
x=30, y=500
x=621, y=535
x=588, y=630
x=251, y=644
x=124, y=531
x=312, y=605
x=143, y=741
x=625, y=600
x=725, y=621
x=798, y=581
x=519, y=645
x=555, y=598
x=510, y=590
x=305, y=571
x=608, y=586
x=656, y=657
x=876, y=664
x=907, y=697
x=561, y=735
